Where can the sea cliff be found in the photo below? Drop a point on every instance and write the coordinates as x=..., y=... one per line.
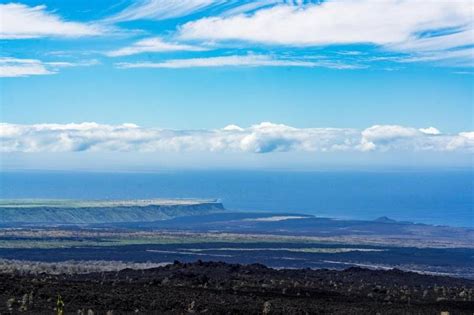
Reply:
x=86, y=212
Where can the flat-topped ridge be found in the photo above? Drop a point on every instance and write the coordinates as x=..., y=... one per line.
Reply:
x=73, y=203
x=35, y=211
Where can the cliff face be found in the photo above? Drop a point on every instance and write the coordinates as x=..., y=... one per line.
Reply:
x=113, y=213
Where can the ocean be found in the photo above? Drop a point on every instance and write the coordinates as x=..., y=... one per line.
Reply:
x=432, y=197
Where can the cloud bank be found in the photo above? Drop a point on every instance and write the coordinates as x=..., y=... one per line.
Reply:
x=265, y=137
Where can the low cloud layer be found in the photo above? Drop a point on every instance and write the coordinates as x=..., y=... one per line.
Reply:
x=261, y=138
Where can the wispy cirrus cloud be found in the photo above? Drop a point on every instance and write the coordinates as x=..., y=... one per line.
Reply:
x=20, y=21
x=261, y=138
x=167, y=9
x=458, y=57
x=440, y=32
x=152, y=45
x=337, y=22
x=421, y=28
x=249, y=60
x=16, y=67
x=161, y=9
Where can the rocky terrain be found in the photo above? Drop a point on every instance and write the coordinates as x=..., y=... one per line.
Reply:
x=221, y=288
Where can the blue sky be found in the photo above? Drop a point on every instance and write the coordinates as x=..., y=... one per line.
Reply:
x=177, y=73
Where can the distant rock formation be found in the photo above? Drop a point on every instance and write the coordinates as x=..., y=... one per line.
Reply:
x=385, y=220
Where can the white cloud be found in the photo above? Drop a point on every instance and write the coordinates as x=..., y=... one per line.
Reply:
x=243, y=7
x=166, y=9
x=161, y=9
x=385, y=135
x=14, y=67
x=430, y=131
x=458, y=57
x=394, y=137
x=20, y=21
x=463, y=37
x=250, y=6
x=407, y=26
x=464, y=139
x=150, y=45
x=237, y=61
x=261, y=138
x=335, y=22
x=233, y=128
x=388, y=132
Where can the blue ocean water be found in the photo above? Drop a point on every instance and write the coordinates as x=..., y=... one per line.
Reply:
x=435, y=197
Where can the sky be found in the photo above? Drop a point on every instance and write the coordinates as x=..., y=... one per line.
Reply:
x=151, y=84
